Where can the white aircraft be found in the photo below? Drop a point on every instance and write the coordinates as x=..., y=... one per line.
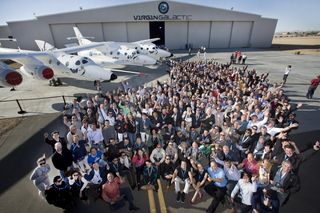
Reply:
x=148, y=48
x=42, y=65
x=112, y=52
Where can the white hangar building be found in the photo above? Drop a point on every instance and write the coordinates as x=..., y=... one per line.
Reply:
x=177, y=24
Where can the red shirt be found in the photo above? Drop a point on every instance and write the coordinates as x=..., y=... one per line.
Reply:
x=252, y=167
x=111, y=190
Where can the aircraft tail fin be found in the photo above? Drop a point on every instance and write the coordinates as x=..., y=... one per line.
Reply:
x=82, y=40
x=44, y=46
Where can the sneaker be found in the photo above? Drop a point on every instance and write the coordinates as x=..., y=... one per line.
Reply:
x=178, y=197
x=183, y=197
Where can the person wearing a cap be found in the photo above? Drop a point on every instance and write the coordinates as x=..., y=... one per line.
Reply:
x=255, y=122
x=39, y=176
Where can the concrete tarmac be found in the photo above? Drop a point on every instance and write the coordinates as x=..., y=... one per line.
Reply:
x=20, y=148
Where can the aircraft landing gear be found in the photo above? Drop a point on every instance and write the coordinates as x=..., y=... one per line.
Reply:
x=55, y=82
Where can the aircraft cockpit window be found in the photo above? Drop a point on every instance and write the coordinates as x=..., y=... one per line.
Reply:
x=67, y=63
x=78, y=63
x=84, y=61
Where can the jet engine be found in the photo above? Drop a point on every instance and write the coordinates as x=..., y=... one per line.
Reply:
x=10, y=78
x=40, y=72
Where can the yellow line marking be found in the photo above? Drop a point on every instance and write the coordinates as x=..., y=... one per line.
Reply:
x=151, y=201
x=163, y=208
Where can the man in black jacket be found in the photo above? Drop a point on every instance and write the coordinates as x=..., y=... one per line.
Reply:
x=284, y=182
x=294, y=158
x=59, y=194
x=62, y=159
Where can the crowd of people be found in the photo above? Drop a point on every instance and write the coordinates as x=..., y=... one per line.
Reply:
x=209, y=129
x=238, y=57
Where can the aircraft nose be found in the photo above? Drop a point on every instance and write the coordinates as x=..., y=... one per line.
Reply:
x=146, y=60
x=113, y=77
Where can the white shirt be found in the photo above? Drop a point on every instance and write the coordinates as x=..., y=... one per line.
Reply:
x=96, y=177
x=95, y=136
x=111, y=120
x=287, y=71
x=258, y=123
x=246, y=191
x=273, y=130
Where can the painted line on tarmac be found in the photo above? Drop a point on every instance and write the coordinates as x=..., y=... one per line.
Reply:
x=152, y=203
x=163, y=208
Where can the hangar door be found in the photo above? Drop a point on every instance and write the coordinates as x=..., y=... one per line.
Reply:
x=60, y=33
x=115, y=31
x=199, y=33
x=176, y=34
x=138, y=31
x=220, y=34
x=240, y=34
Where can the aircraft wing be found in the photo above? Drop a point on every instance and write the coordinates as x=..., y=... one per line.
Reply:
x=146, y=41
x=17, y=55
x=76, y=49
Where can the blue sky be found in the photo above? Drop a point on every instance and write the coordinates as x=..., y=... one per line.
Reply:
x=292, y=15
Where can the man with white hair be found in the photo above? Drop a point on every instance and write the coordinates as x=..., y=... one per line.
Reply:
x=62, y=159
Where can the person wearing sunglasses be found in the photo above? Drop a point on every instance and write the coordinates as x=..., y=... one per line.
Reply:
x=59, y=194
x=39, y=175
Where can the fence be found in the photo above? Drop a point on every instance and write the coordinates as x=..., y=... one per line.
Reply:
x=31, y=106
